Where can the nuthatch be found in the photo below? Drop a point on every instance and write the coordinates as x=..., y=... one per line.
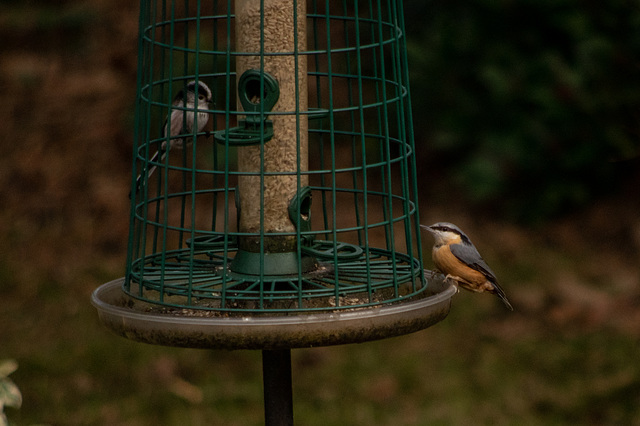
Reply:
x=455, y=255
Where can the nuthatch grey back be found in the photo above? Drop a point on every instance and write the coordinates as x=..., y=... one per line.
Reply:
x=455, y=255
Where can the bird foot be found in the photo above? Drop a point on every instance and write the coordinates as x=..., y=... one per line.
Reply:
x=451, y=277
x=455, y=280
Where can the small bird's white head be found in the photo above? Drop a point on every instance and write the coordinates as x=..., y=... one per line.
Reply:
x=446, y=233
x=201, y=92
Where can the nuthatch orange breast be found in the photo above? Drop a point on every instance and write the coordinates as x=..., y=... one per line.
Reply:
x=455, y=255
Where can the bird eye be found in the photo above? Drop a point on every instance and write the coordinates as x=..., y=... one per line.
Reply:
x=201, y=97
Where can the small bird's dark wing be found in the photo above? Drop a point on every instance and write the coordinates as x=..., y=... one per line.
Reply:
x=469, y=255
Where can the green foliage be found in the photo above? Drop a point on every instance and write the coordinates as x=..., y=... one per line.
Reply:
x=10, y=395
x=527, y=105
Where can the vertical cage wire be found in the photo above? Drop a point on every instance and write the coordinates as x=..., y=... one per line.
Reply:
x=305, y=204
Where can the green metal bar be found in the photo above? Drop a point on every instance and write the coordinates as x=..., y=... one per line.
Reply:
x=214, y=151
x=385, y=121
x=227, y=116
x=401, y=119
x=262, y=188
x=296, y=67
x=333, y=149
x=352, y=112
x=165, y=171
x=193, y=153
x=149, y=86
x=185, y=68
x=317, y=74
x=378, y=105
x=215, y=177
x=411, y=141
x=132, y=248
x=363, y=147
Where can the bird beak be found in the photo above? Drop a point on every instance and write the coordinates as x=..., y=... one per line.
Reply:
x=427, y=228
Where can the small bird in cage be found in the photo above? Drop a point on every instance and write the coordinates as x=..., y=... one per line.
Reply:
x=455, y=255
x=180, y=123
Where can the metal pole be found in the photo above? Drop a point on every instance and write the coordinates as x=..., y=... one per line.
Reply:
x=278, y=394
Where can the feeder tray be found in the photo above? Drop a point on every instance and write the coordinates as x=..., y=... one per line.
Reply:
x=140, y=321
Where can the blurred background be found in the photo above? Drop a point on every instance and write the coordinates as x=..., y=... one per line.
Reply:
x=527, y=133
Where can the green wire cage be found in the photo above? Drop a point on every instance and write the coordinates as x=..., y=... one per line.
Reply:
x=300, y=193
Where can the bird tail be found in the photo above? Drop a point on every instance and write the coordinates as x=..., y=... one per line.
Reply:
x=497, y=290
x=161, y=153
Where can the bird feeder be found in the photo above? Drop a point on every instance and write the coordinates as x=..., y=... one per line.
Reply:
x=291, y=219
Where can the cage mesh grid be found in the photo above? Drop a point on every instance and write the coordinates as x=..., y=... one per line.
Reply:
x=343, y=116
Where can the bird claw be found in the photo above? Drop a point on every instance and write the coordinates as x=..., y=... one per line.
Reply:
x=453, y=278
